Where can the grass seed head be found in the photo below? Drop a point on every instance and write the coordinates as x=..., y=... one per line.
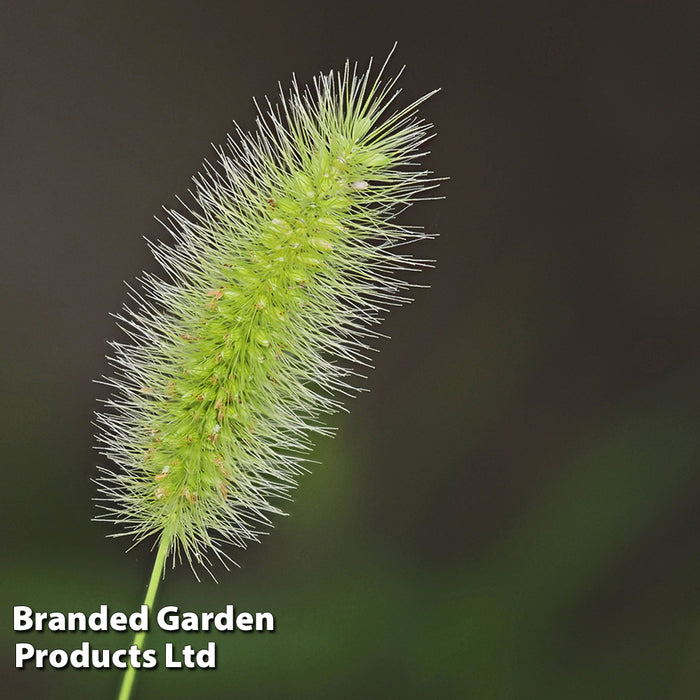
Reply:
x=280, y=269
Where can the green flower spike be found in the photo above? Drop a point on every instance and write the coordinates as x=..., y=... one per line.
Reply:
x=279, y=272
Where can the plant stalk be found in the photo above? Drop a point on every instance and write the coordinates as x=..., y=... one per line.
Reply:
x=156, y=575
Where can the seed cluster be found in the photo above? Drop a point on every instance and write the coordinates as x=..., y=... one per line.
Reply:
x=277, y=274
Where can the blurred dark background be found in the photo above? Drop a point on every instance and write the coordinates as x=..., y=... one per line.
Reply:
x=513, y=511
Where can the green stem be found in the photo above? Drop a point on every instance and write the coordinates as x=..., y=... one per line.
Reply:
x=156, y=575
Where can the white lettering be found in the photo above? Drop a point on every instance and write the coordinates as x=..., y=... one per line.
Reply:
x=80, y=658
x=58, y=658
x=117, y=622
x=224, y=620
x=149, y=659
x=169, y=660
x=23, y=652
x=206, y=658
x=98, y=620
x=117, y=658
x=269, y=620
x=167, y=619
x=244, y=622
x=138, y=621
x=23, y=618
x=190, y=622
